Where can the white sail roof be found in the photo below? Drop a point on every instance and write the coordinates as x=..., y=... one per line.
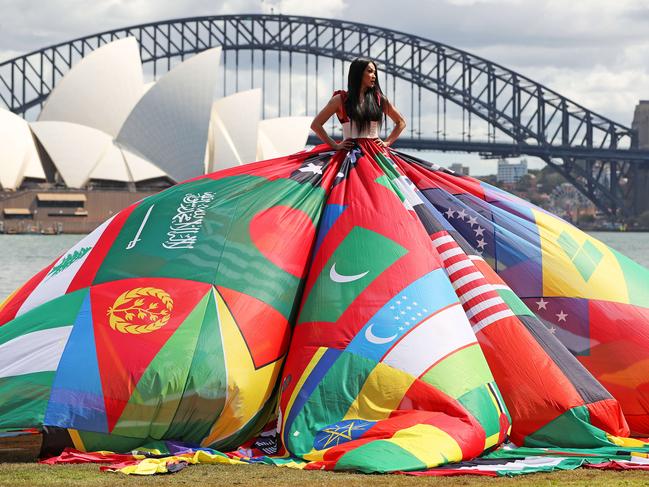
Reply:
x=111, y=166
x=17, y=151
x=282, y=136
x=141, y=169
x=100, y=90
x=233, y=133
x=169, y=124
x=33, y=167
x=171, y=128
x=74, y=149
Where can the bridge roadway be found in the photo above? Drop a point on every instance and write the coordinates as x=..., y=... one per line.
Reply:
x=504, y=149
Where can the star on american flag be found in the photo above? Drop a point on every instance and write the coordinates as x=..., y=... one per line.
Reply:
x=474, y=226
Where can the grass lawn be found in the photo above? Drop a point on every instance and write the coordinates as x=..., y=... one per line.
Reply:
x=19, y=469
x=32, y=474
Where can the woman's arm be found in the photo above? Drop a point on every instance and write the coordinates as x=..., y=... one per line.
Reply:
x=399, y=123
x=321, y=118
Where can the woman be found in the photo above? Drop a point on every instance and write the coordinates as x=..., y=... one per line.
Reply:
x=359, y=109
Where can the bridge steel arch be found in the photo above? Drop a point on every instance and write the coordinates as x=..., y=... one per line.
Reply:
x=599, y=156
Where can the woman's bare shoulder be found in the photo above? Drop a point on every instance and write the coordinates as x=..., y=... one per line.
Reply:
x=337, y=100
x=340, y=96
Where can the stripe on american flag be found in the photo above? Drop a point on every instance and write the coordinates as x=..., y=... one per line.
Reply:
x=480, y=299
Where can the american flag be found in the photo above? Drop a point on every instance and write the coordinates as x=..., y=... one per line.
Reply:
x=480, y=299
x=476, y=228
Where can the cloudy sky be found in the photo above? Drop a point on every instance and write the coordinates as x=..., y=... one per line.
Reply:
x=595, y=52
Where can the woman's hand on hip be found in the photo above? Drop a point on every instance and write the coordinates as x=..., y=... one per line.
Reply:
x=380, y=142
x=346, y=144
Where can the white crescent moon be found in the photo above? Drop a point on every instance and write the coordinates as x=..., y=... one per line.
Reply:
x=335, y=277
x=372, y=338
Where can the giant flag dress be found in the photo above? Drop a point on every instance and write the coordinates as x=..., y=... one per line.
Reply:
x=392, y=315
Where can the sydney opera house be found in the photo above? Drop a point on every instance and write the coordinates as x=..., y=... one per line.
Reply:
x=105, y=138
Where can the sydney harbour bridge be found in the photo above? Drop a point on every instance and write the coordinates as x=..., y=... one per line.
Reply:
x=453, y=100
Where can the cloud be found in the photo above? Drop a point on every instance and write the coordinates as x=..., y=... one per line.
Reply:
x=27, y=25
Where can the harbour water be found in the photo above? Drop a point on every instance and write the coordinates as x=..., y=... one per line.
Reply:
x=21, y=256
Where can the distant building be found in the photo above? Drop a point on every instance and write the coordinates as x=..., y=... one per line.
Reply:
x=459, y=168
x=641, y=123
x=510, y=173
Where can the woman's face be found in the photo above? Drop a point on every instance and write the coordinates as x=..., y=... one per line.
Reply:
x=369, y=76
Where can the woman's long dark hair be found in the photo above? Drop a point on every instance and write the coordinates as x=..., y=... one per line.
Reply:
x=373, y=101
